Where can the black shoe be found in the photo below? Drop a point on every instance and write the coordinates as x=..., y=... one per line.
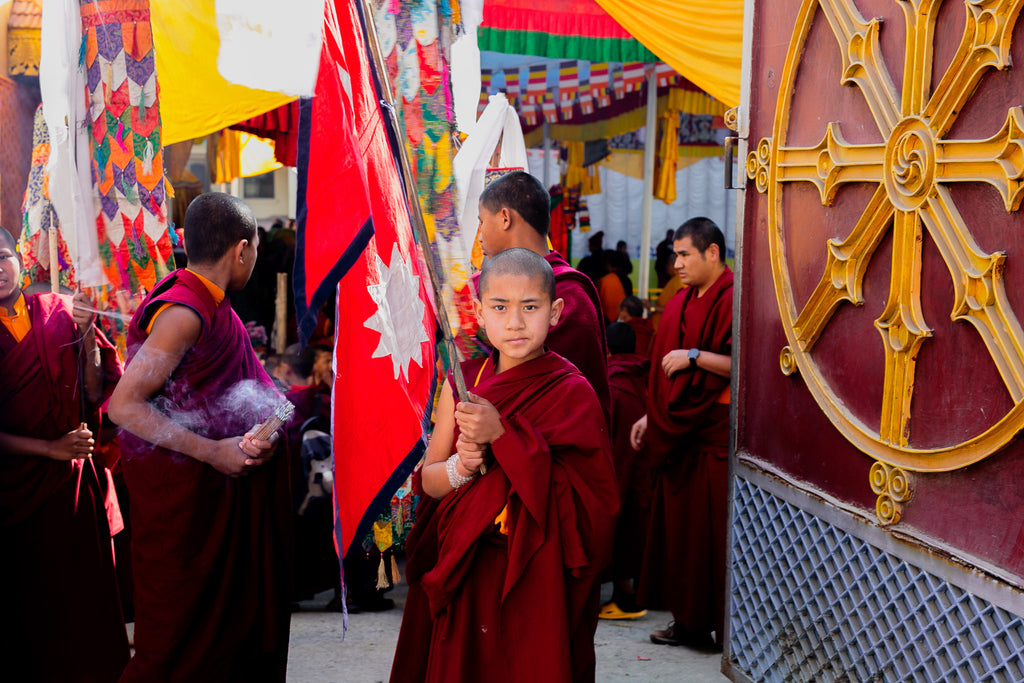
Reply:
x=676, y=635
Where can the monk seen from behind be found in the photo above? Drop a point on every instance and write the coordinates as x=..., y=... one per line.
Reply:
x=521, y=546
x=210, y=504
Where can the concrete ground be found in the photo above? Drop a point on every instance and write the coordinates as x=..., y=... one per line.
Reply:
x=624, y=651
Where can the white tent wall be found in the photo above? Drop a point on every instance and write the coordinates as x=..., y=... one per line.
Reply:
x=617, y=209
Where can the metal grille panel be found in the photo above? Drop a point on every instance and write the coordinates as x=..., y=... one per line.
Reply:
x=811, y=602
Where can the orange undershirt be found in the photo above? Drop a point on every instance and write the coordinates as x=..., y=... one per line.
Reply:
x=16, y=322
x=216, y=292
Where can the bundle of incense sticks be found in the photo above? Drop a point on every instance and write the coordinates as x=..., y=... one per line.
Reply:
x=281, y=414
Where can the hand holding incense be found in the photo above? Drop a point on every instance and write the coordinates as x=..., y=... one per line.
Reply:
x=268, y=427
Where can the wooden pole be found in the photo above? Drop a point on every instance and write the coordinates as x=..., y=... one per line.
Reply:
x=412, y=199
x=54, y=260
x=281, y=314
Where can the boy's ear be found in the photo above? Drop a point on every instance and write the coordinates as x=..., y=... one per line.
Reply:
x=478, y=310
x=238, y=249
x=506, y=216
x=556, y=310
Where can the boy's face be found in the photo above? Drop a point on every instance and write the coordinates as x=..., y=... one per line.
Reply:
x=516, y=313
x=493, y=233
x=10, y=275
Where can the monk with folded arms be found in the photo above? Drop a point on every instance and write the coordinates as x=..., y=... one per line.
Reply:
x=520, y=548
x=59, y=605
x=210, y=504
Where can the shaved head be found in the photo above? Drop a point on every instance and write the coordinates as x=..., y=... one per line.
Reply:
x=7, y=240
x=214, y=223
x=522, y=262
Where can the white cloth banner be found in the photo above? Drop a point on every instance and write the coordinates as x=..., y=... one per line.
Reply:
x=270, y=44
x=499, y=120
x=63, y=88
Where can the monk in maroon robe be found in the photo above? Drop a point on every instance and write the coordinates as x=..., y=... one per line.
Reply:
x=518, y=550
x=632, y=312
x=686, y=431
x=58, y=511
x=514, y=212
x=211, y=510
x=628, y=374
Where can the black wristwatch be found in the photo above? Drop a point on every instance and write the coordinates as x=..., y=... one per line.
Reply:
x=693, y=355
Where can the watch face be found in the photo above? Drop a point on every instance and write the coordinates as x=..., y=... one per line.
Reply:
x=693, y=353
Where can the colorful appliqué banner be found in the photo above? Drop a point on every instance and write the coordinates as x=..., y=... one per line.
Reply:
x=355, y=239
x=127, y=157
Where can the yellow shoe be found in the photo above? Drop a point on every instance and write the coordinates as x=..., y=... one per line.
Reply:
x=612, y=611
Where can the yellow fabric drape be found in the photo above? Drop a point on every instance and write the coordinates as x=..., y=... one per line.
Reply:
x=256, y=156
x=701, y=39
x=574, y=173
x=668, y=151
x=195, y=100
x=222, y=155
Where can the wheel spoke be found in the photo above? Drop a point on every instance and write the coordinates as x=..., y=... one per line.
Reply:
x=917, y=62
x=862, y=60
x=985, y=44
x=998, y=161
x=831, y=163
x=844, y=270
x=903, y=328
x=979, y=291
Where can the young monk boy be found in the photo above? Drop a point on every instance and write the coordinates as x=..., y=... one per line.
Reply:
x=515, y=212
x=520, y=547
x=210, y=508
x=60, y=607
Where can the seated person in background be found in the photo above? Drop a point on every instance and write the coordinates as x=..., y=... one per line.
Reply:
x=610, y=288
x=631, y=312
x=520, y=548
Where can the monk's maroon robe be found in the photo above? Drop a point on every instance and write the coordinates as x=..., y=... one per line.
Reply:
x=644, y=332
x=60, y=608
x=579, y=337
x=212, y=554
x=688, y=443
x=628, y=374
x=515, y=608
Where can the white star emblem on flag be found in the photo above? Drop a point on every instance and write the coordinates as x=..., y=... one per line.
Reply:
x=399, y=315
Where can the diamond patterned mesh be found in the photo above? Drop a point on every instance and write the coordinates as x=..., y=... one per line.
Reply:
x=810, y=602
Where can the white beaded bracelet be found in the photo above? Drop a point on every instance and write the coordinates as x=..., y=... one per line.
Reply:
x=454, y=478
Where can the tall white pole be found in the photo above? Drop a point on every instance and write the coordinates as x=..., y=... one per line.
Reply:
x=650, y=149
x=547, y=153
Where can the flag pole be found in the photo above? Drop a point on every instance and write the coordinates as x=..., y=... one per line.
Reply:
x=413, y=203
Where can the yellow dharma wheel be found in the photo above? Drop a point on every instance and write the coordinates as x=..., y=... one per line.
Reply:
x=907, y=178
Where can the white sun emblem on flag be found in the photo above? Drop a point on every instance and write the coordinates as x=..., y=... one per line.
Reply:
x=399, y=316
